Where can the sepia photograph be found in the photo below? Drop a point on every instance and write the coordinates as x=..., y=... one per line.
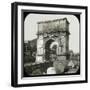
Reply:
x=51, y=44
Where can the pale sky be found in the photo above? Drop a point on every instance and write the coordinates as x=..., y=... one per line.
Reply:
x=30, y=27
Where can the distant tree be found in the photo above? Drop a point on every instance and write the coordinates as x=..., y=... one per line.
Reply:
x=30, y=51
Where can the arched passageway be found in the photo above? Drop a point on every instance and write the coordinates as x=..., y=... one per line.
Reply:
x=47, y=49
x=50, y=49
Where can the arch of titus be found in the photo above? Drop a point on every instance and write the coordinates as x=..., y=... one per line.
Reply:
x=51, y=34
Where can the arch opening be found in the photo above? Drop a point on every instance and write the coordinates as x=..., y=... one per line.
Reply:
x=50, y=49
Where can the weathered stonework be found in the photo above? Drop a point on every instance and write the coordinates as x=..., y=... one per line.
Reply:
x=50, y=33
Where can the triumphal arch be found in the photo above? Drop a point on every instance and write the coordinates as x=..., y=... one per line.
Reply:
x=52, y=39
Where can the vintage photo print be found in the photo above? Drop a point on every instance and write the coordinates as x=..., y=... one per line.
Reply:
x=51, y=44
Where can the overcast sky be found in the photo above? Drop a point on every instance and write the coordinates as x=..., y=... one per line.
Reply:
x=30, y=27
